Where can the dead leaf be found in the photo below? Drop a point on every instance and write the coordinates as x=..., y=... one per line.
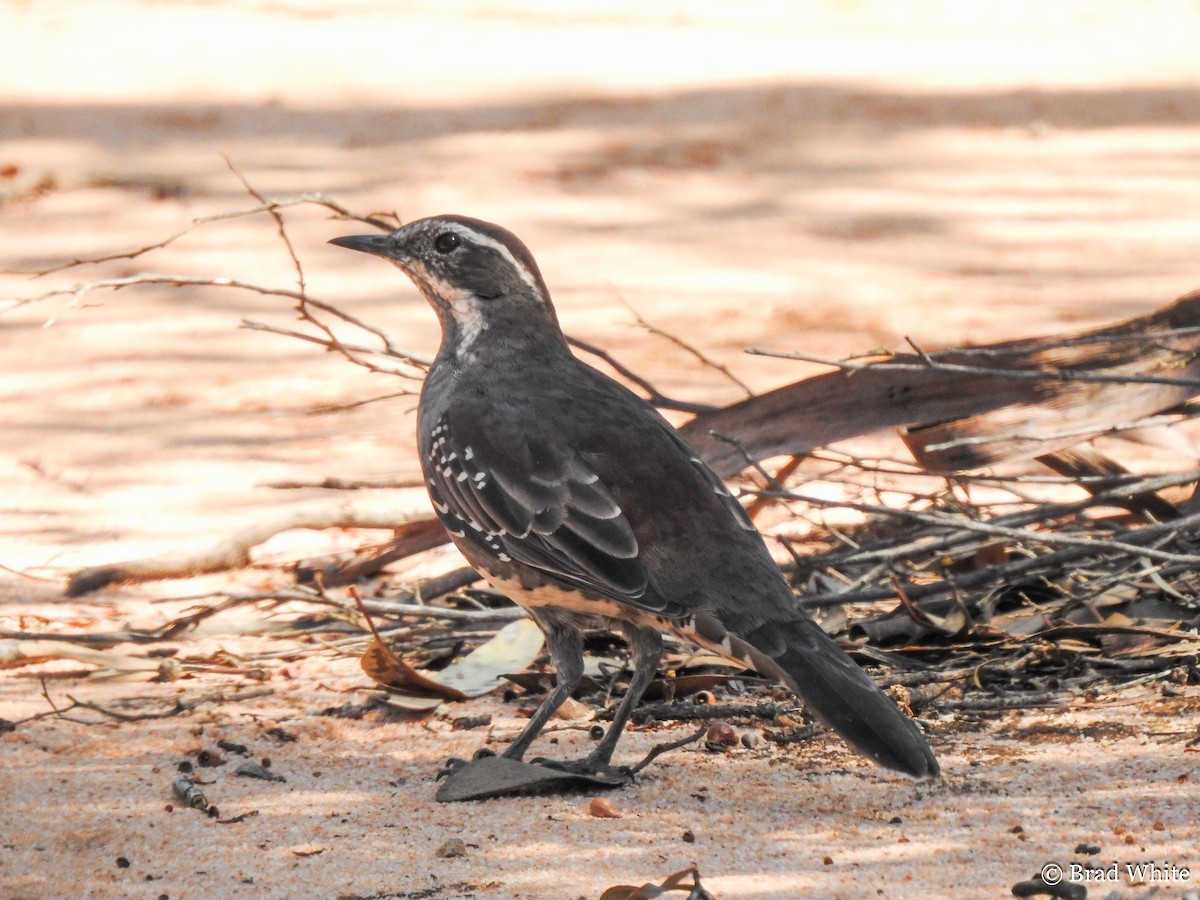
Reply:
x=410, y=703
x=515, y=646
x=954, y=622
x=308, y=850
x=481, y=671
x=386, y=668
x=602, y=808
x=673, y=883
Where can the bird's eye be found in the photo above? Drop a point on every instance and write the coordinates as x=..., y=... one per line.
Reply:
x=446, y=241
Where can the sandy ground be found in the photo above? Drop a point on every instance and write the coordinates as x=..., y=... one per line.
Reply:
x=829, y=179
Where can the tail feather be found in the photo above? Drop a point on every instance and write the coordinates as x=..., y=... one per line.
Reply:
x=838, y=693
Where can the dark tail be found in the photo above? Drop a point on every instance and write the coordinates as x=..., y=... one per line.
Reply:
x=838, y=693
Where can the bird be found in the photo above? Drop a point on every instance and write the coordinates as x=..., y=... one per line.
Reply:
x=574, y=497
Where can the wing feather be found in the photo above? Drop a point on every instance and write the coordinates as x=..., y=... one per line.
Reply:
x=548, y=510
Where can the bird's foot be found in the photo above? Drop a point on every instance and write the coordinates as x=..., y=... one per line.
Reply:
x=453, y=764
x=588, y=766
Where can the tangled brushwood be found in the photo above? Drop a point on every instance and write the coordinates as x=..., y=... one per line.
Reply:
x=1013, y=561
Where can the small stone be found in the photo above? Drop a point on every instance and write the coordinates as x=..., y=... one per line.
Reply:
x=602, y=808
x=720, y=736
x=451, y=849
x=751, y=739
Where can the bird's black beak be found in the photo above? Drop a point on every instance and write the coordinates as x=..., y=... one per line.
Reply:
x=375, y=244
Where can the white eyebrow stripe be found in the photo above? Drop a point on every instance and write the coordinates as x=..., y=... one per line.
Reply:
x=485, y=241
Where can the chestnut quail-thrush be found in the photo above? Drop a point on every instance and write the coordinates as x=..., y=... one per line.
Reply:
x=575, y=498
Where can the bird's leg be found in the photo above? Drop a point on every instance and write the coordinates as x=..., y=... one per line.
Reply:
x=645, y=653
x=566, y=652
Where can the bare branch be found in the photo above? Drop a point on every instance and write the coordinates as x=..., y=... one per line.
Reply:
x=928, y=363
x=349, y=351
x=340, y=212
x=79, y=291
x=689, y=348
x=277, y=216
x=658, y=399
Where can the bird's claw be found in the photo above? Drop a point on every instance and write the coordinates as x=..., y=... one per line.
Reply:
x=453, y=764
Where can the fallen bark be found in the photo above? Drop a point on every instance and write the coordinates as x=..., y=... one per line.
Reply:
x=412, y=534
x=966, y=408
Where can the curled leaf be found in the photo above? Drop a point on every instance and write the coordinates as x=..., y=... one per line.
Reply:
x=673, y=883
x=386, y=668
x=602, y=808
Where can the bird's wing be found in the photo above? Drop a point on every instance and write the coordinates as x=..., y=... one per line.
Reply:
x=540, y=503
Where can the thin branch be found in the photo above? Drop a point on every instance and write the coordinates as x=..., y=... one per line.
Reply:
x=347, y=350
x=501, y=614
x=659, y=749
x=929, y=363
x=181, y=706
x=330, y=408
x=265, y=206
x=277, y=216
x=658, y=399
x=689, y=348
x=344, y=484
x=79, y=291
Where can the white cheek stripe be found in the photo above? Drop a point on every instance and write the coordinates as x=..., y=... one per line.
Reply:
x=483, y=240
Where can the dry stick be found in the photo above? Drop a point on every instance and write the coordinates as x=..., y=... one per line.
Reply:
x=501, y=614
x=957, y=522
x=332, y=408
x=303, y=301
x=347, y=350
x=692, y=712
x=78, y=291
x=916, y=679
x=758, y=504
x=689, y=348
x=278, y=217
x=1003, y=573
x=1010, y=701
x=302, y=306
x=1025, y=534
x=1007, y=526
x=929, y=363
x=234, y=551
x=181, y=706
x=345, y=484
x=659, y=749
x=388, y=607
x=658, y=399
x=266, y=206
x=23, y=574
